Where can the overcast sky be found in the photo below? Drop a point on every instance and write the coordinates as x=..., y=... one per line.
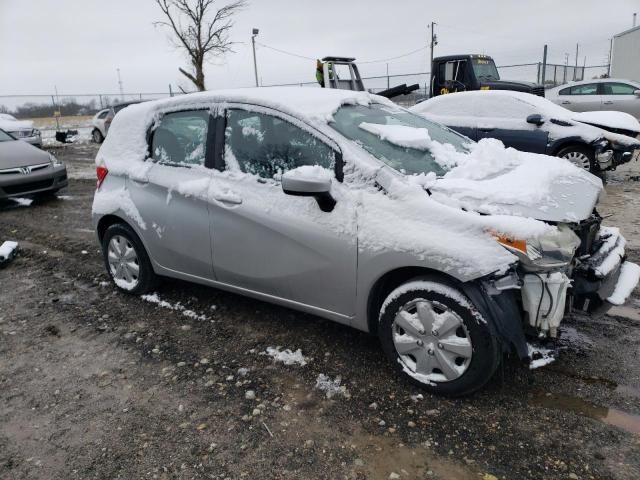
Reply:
x=77, y=45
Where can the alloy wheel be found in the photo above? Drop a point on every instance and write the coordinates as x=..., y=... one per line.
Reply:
x=123, y=262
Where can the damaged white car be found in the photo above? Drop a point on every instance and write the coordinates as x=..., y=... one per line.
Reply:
x=344, y=205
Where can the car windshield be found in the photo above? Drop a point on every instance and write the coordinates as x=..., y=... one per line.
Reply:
x=5, y=137
x=485, y=69
x=366, y=126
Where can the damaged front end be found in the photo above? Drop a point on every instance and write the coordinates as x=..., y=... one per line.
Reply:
x=580, y=266
x=610, y=153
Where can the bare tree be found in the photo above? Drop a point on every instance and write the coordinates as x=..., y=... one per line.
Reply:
x=199, y=31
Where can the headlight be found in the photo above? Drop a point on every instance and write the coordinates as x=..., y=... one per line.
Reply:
x=55, y=162
x=549, y=251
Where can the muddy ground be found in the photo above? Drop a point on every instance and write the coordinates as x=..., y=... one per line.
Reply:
x=98, y=384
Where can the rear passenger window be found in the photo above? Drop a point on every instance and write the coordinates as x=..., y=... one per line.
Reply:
x=589, y=89
x=267, y=146
x=181, y=138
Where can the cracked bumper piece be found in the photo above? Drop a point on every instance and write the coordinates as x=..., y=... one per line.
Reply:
x=605, y=278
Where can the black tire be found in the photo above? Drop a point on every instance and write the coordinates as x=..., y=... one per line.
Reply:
x=97, y=136
x=573, y=150
x=486, y=354
x=146, y=279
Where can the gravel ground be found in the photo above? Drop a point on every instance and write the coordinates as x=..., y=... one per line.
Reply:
x=98, y=384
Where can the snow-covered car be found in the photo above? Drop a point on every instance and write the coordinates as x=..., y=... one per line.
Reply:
x=344, y=205
x=598, y=94
x=99, y=125
x=534, y=124
x=21, y=129
x=27, y=170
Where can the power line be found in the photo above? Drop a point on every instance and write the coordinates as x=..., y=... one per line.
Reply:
x=382, y=60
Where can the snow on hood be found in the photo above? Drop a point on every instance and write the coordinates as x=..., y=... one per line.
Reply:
x=492, y=179
x=611, y=119
x=125, y=148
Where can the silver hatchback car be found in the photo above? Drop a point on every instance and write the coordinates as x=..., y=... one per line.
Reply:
x=344, y=205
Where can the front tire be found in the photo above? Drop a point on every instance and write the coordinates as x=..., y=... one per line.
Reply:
x=437, y=339
x=580, y=156
x=96, y=135
x=126, y=260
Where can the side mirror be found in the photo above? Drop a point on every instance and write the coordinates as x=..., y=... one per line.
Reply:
x=535, y=119
x=636, y=93
x=310, y=181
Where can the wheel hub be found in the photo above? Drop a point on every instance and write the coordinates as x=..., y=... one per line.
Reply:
x=123, y=261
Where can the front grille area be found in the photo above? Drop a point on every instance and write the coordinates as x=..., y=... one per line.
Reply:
x=27, y=187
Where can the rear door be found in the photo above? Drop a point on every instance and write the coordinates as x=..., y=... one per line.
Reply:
x=270, y=242
x=505, y=118
x=581, y=98
x=619, y=96
x=171, y=193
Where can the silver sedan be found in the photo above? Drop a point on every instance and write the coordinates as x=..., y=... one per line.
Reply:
x=598, y=94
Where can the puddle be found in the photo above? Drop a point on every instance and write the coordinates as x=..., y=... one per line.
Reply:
x=609, y=416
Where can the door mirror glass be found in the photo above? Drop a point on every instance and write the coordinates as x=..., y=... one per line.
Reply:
x=535, y=119
x=310, y=181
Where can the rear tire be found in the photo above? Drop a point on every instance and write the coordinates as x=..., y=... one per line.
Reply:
x=97, y=136
x=126, y=260
x=437, y=339
x=580, y=156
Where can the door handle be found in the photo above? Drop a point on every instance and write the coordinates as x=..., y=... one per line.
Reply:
x=608, y=102
x=565, y=102
x=140, y=181
x=486, y=129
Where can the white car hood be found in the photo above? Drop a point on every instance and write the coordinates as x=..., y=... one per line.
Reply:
x=609, y=119
x=562, y=194
x=15, y=125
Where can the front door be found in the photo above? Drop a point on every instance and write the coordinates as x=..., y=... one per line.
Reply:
x=620, y=97
x=270, y=242
x=582, y=98
x=171, y=194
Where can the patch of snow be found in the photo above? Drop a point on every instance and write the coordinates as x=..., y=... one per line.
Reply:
x=154, y=298
x=627, y=282
x=401, y=135
x=122, y=283
x=7, y=248
x=540, y=356
x=287, y=356
x=23, y=202
x=612, y=119
x=110, y=201
x=330, y=387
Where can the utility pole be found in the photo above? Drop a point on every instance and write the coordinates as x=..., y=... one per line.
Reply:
x=575, y=70
x=120, y=86
x=434, y=42
x=610, y=53
x=544, y=66
x=387, y=76
x=634, y=20
x=255, y=63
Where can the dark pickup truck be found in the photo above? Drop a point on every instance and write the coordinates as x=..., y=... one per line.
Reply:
x=461, y=73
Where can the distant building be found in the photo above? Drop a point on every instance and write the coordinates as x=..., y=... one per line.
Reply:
x=625, y=58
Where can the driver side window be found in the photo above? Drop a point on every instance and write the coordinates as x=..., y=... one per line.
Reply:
x=181, y=138
x=265, y=145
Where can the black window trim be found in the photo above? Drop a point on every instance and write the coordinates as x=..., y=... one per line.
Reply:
x=209, y=151
x=222, y=125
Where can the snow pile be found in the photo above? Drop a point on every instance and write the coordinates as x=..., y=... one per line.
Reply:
x=401, y=135
x=286, y=356
x=310, y=171
x=540, y=356
x=154, y=298
x=627, y=282
x=612, y=247
x=23, y=202
x=7, y=250
x=330, y=387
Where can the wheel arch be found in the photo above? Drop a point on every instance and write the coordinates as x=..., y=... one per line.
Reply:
x=106, y=221
x=569, y=142
x=392, y=279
